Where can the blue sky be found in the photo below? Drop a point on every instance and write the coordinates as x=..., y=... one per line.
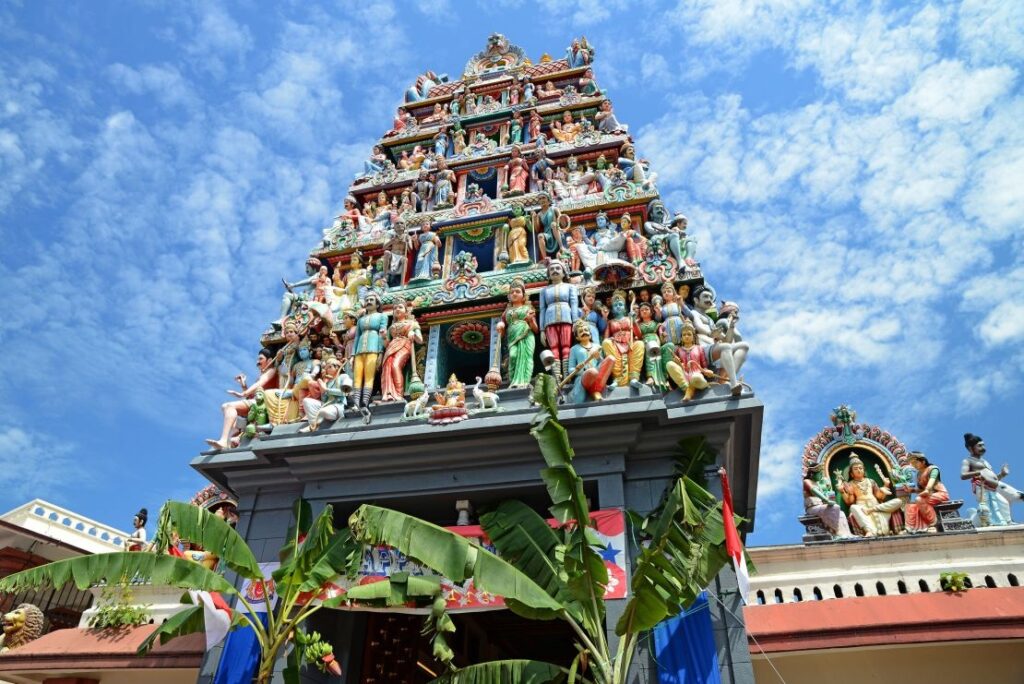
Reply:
x=853, y=172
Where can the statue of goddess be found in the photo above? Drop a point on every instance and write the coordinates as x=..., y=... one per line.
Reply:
x=565, y=130
x=652, y=346
x=404, y=333
x=606, y=121
x=534, y=126
x=517, y=236
x=375, y=163
x=921, y=515
x=519, y=325
x=690, y=366
x=515, y=131
x=441, y=142
x=820, y=501
x=588, y=86
x=622, y=342
x=348, y=283
x=518, y=172
x=428, y=247
x=548, y=227
x=444, y=185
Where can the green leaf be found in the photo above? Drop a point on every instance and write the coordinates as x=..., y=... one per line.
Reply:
x=505, y=672
x=337, y=558
x=302, y=518
x=186, y=621
x=214, y=535
x=319, y=535
x=116, y=568
x=454, y=557
x=399, y=589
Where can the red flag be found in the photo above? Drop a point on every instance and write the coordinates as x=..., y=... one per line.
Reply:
x=733, y=545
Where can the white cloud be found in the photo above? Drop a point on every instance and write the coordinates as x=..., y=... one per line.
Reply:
x=948, y=91
x=990, y=32
x=163, y=81
x=35, y=465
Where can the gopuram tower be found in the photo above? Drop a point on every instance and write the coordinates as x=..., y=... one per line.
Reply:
x=504, y=226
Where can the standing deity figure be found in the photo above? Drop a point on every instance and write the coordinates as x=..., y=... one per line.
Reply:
x=458, y=139
x=584, y=252
x=444, y=185
x=541, y=171
x=515, y=131
x=518, y=236
x=588, y=86
x=994, y=496
x=589, y=369
x=870, y=514
x=652, y=346
x=404, y=333
x=690, y=363
x=395, y=246
x=384, y=217
x=518, y=324
x=594, y=313
x=136, y=541
x=921, y=514
x=605, y=118
x=235, y=412
x=371, y=334
x=559, y=309
x=730, y=355
x=533, y=127
x=622, y=342
x=334, y=389
x=820, y=501
x=428, y=249
x=424, y=191
x=518, y=172
x=528, y=90
x=672, y=311
x=547, y=224
x=441, y=141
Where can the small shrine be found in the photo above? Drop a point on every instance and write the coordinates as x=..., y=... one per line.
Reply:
x=500, y=210
x=859, y=481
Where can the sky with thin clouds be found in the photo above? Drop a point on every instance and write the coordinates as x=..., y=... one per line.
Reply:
x=853, y=173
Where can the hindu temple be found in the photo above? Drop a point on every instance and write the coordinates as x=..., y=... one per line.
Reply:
x=503, y=226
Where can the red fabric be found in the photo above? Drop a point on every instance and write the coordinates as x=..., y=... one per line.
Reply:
x=733, y=546
x=559, y=336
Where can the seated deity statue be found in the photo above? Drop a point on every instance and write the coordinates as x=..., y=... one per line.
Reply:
x=874, y=512
x=820, y=501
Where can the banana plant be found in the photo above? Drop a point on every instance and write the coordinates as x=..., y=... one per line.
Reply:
x=556, y=574
x=314, y=553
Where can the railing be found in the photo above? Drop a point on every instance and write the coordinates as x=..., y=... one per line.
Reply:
x=66, y=526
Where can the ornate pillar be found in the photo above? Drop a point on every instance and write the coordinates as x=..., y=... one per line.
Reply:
x=433, y=350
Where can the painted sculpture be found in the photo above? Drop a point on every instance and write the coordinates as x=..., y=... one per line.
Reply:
x=921, y=514
x=515, y=181
x=20, y=626
x=820, y=501
x=993, y=495
x=136, y=541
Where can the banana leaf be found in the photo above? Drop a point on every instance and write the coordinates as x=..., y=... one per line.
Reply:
x=525, y=540
x=341, y=556
x=309, y=551
x=505, y=672
x=302, y=518
x=213, y=534
x=454, y=557
x=116, y=568
x=399, y=589
x=685, y=550
x=186, y=621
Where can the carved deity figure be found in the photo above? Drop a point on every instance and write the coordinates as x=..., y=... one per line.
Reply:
x=518, y=324
x=716, y=334
x=404, y=333
x=547, y=223
x=589, y=369
x=235, y=412
x=518, y=172
x=872, y=508
x=690, y=364
x=559, y=309
x=428, y=250
x=652, y=346
x=622, y=342
x=820, y=501
x=347, y=284
x=333, y=395
x=518, y=236
x=921, y=514
x=606, y=121
x=566, y=130
x=371, y=335
x=673, y=236
x=444, y=185
x=993, y=494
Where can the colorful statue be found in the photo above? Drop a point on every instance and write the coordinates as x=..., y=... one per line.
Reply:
x=820, y=501
x=652, y=346
x=515, y=132
x=451, y=403
x=423, y=189
x=541, y=171
x=371, y=334
x=533, y=128
x=444, y=185
x=528, y=90
x=404, y=333
x=334, y=387
x=635, y=170
x=518, y=236
x=518, y=172
x=579, y=53
x=377, y=161
x=347, y=284
x=547, y=224
x=690, y=364
x=921, y=514
x=588, y=86
x=441, y=141
x=588, y=371
x=21, y=625
x=566, y=130
x=425, y=82
x=136, y=541
x=559, y=309
x=519, y=325
x=994, y=496
x=547, y=90
x=257, y=420
x=673, y=237
x=606, y=121
x=622, y=342
x=428, y=250
x=235, y=412
x=595, y=313
x=731, y=355
x=872, y=511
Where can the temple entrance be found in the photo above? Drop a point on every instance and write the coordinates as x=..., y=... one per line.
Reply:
x=465, y=349
x=395, y=651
